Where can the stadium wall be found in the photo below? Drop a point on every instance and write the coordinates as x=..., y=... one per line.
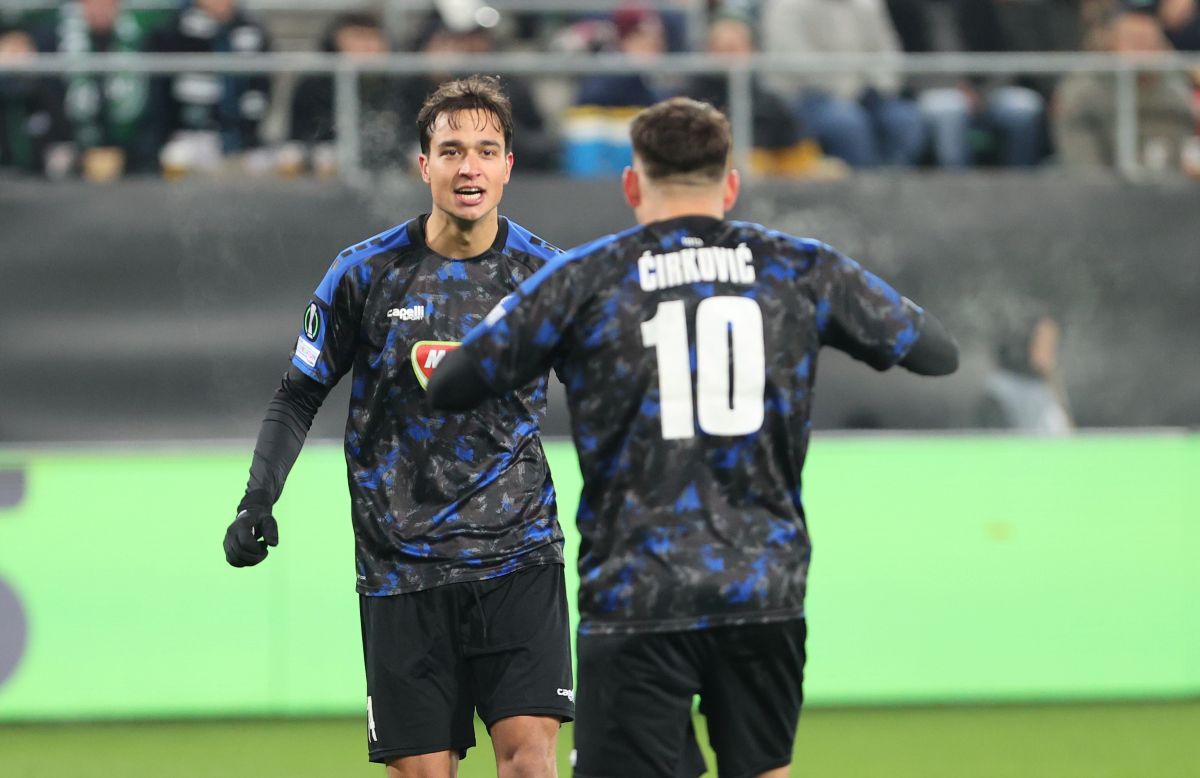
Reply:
x=946, y=569
x=166, y=310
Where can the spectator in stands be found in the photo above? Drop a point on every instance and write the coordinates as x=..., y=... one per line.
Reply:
x=534, y=147
x=640, y=36
x=106, y=114
x=1025, y=390
x=778, y=139
x=859, y=117
x=27, y=112
x=384, y=134
x=1085, y=122
x=1181, y=20
x=207, y=114
x=596, y=127
x=961, y=111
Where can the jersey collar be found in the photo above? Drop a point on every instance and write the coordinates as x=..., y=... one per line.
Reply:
x=416, y=236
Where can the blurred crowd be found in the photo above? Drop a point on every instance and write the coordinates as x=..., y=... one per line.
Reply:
x=105, y=125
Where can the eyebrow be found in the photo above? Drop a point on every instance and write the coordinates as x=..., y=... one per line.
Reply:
x=457, y=144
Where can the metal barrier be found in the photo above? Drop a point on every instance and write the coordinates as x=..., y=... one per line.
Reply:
x=738, y=71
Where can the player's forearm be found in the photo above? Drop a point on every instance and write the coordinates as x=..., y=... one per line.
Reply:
x=934, y=352
x=284, y=429
x=456, y=385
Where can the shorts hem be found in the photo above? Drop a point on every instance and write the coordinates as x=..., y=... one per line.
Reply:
x=563, y=714
x=773, y=764
x=385, y=756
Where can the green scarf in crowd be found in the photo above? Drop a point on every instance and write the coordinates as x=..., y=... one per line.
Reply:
x=103, y=109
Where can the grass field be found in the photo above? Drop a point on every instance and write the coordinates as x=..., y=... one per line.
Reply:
x=1147, y=740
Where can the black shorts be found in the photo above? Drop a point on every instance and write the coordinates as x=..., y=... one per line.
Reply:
x=636, y=692
x=500, y=646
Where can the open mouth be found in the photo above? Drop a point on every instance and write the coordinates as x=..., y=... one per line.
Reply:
x=469, y=195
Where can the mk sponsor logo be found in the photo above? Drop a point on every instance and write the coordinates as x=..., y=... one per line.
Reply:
x=426, y=355
x=411, y=313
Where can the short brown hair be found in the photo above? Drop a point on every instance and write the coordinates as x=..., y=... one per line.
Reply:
x=473, y=93
x=682, y=140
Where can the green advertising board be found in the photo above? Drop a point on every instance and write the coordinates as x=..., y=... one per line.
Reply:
x=944, y=569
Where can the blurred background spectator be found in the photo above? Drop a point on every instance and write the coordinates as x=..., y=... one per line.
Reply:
x=859, y=117
x=779, y=143
x=1085, y=122
x=27, y=110
x=205, y=116
x=595, y=134
x=1025, y=391
x=970, y=119
x=535, y=148
x=1181, y=20
x=640, y=35
x=106, y=115
x=384, y=116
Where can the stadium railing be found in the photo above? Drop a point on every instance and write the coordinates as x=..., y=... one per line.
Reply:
x=737, y=70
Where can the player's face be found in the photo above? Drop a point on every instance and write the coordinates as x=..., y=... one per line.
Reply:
x=467, y=166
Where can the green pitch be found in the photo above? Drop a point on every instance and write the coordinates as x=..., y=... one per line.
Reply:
x=1077, y=741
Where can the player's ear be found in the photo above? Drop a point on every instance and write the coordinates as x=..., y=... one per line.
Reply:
x=631, y=187
x=508, y=163
x=423, y=163
x=733, y=185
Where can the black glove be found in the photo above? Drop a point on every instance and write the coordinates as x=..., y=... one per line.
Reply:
x=248, y=536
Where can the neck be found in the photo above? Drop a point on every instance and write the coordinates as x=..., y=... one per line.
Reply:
x=459, y=239
x=652, y=210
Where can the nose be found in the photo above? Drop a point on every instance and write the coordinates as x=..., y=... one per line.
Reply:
x=467, y=168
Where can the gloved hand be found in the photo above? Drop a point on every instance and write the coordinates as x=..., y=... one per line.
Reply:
x=248, y=536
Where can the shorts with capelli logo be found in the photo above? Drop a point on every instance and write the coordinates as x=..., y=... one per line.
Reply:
x=433, y=658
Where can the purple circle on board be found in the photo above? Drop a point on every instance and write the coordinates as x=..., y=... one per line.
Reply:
x=13, y=631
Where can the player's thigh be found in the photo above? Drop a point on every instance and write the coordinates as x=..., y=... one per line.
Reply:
x=418, y=690
x=753, y=688
x=518, y=645
x=443, y=764
x=635, y=706
x=525, y=745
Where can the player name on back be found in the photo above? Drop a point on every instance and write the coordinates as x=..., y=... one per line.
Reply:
x=696, y=265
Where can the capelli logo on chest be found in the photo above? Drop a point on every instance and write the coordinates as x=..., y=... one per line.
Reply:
x=411, y=313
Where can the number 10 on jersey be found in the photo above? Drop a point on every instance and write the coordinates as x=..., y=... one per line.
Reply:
x=730, y=366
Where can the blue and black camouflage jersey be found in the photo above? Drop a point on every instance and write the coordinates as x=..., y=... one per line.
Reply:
x=688, y=348
x=436, y=498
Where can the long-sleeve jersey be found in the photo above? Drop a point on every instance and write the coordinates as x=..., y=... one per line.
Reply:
x=436, y=498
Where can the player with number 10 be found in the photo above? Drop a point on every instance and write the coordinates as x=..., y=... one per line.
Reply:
x=688, y=345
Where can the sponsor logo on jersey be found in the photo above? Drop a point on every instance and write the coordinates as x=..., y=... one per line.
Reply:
x=426, y=355
x=568, y=693
x=312, y=322
x=411, y=313
x=371, y=736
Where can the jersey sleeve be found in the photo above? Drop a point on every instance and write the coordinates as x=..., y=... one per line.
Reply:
x=519, y=340
x=860, y=314
x=324, y=349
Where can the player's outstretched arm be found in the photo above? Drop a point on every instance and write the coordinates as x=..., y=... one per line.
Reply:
x=289, y=417
x=934, y=352
x=455, y=385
